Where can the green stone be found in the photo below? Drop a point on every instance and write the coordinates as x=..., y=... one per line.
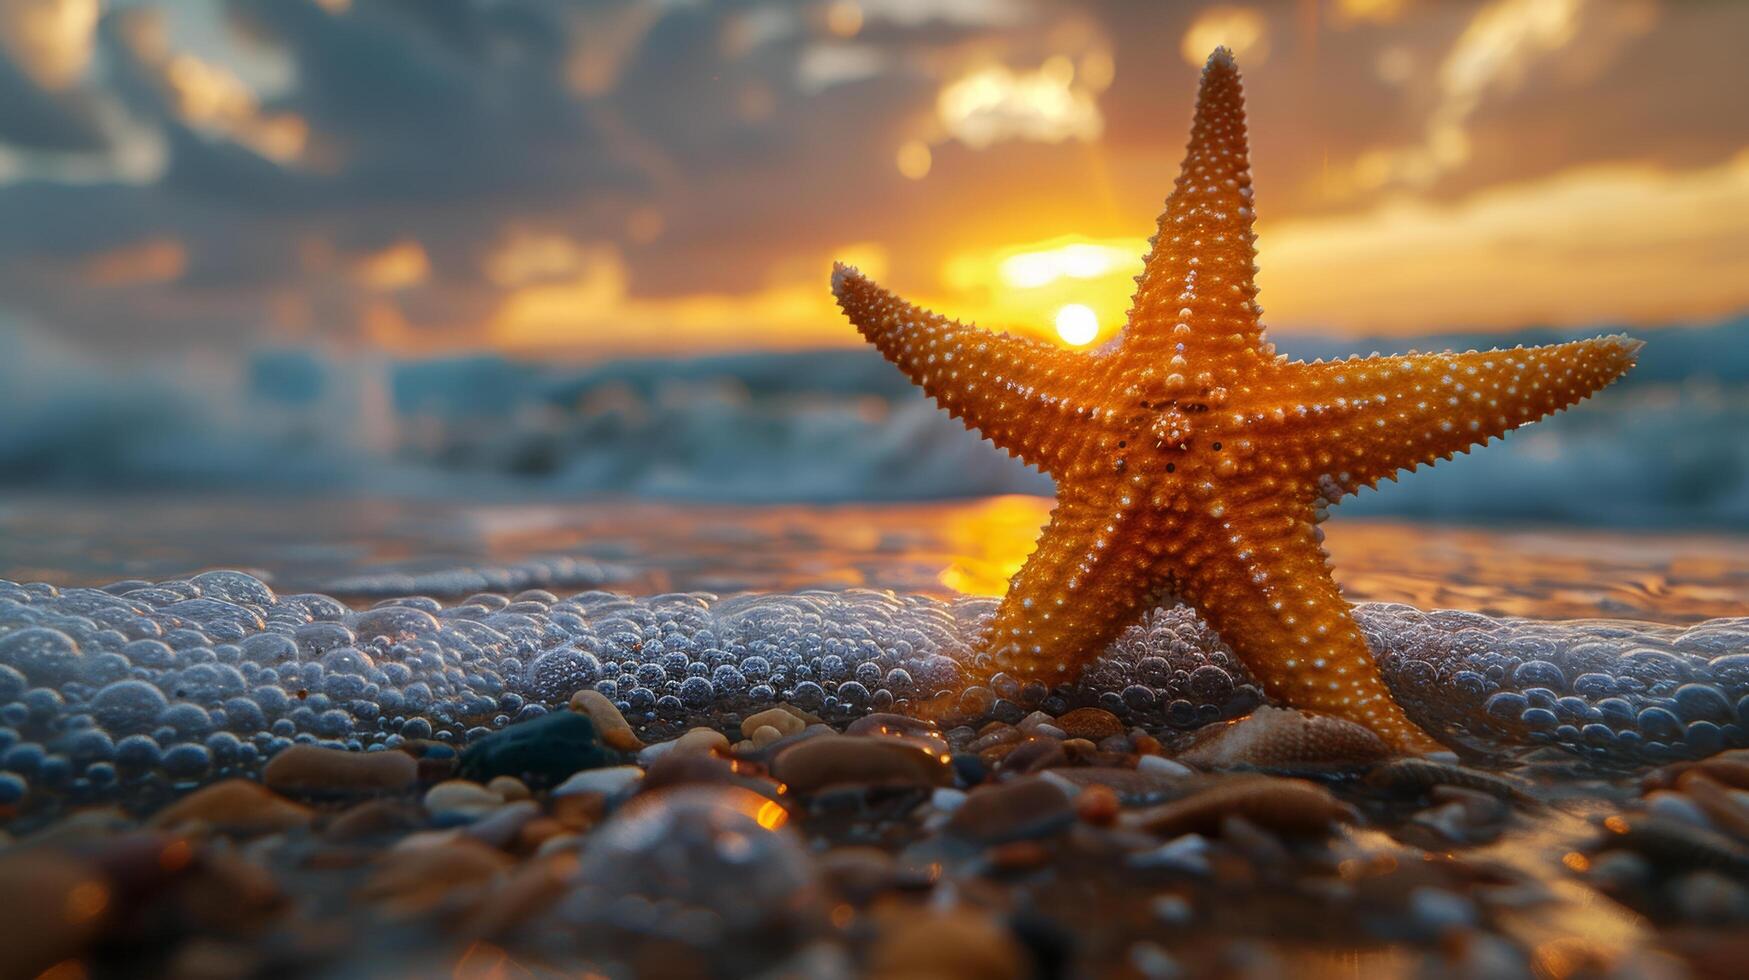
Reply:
x=541, y=752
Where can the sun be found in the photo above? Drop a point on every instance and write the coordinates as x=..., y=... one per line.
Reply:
x=1077, y=324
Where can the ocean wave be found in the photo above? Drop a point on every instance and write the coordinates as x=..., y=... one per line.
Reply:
x=1663, y=449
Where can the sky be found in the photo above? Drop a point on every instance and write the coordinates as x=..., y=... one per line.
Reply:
x=588, y=179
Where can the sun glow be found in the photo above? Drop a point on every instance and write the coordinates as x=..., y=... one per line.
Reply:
x=1077, y=324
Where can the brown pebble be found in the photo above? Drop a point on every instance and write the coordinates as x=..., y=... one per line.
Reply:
x=1098, y=805
x=1034, y=755
x=886, y=723
x=1288, y=806
x=615, y=731
x=578, y=812
x=1286, y=740
x=1715, y=800
x=1020, y=855
x=996, y=735
x=311, y=770
x=680, y=770
x=522, y=897
x=700, y=741
x=838, y=760
x=537, y=832
x=374, y=818
x=764, y=736
x=1092, y=724
x=1146, y=745
x=235, y=806
x=509, y=788
x=954, y=944
x=1132, y=786
x=786, y=722
x=417, y=880
x=1028, y=807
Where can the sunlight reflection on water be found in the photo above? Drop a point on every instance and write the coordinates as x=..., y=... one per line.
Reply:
x=942, y=549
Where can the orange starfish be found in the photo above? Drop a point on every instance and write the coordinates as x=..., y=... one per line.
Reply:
x=1193, y=462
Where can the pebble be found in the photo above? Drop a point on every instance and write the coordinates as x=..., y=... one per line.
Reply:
x=1286, y=740
x=718, y=862
x=1092, y=724
x=1187, y=854
x=952, y=944
x=374, y=818
x=1672, y=805
x=1710, y=898
x=765, y=735
x=1289, y=806
x=509, y=788
x=1132, y=786
x=947, y=799
x=616, y=732
x=785, y=721
x=501, y=827
x=837, y=760
x=411, y=881
x=1098, y=805
x=1159, y=765
x=235, y=806
x=316, y=770
x=541, y=752
x=608, y=781
x=1029, y=807
x=701, y=741
x=461, y=798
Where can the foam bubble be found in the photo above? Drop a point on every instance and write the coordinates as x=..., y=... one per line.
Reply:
x=216, y=672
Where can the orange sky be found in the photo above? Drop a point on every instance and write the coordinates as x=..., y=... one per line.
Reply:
x=1420, y=166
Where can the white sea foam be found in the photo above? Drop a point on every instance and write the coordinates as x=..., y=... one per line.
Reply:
x=186, y=679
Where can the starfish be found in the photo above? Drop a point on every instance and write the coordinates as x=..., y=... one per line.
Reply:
x=1194, y=463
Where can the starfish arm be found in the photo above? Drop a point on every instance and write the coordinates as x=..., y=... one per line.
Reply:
x=1080, y=588
x=1005, y=387
x=1194, y=314
x=1260, y=579
x=1384, y=414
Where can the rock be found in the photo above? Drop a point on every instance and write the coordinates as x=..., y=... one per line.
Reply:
x=55, y=906
x=609, y=781
x=541, y=751
x=702, y=741
x=509, y=788
x=1132, y=786
x=1098, y=805
x=374, y=819
x=954, y=944
x=1036, y=754
x=781, y=718
x=1156, y=765
x=837, y=760
x=885, y=723
x=235, y=806
x=1286, y=740
x=1710, y=898
x=681, y=770
x=1092, y=724
x=1441, y=911
x=1026, y=808
x=414, y=881
x=523, y=897
x=1187, y=854
x=502, y=826
x=461, y=798
x=313, y=770
x=1286, y=806
x=765, y=735
x=719, y=853
x=616, y=732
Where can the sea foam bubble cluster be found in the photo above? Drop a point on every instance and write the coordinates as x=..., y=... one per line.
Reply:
x=186, y=679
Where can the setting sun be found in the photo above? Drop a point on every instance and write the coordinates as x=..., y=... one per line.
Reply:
x=1077, y=324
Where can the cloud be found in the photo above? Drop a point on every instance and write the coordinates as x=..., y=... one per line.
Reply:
x=637, y=173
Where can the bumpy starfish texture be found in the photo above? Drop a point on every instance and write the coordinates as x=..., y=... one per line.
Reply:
x=1194, y=463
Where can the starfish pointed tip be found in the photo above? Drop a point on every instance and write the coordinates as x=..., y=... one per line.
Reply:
x=1222, y=56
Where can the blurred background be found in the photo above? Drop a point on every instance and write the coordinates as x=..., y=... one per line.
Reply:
x=502, y=250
